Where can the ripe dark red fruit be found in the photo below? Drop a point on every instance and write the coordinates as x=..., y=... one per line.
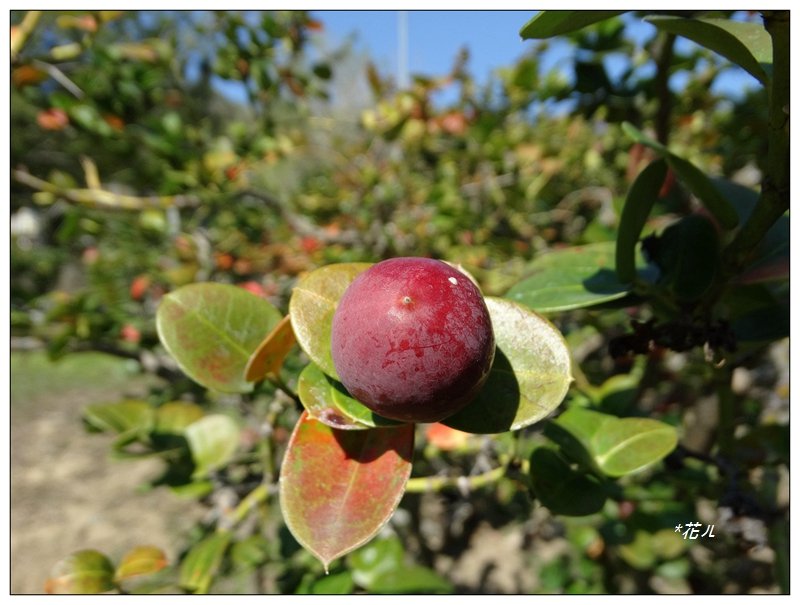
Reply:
x=412, y=339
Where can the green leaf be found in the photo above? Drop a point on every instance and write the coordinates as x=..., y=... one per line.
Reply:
x=140, y=561
x=374, y=559
x=213, y=441
x=338, y=488
x=646, y=549
x=573, y=278
x=687, y=252
x=412, y=579
x=639, y=137
x=314, y=390
x=614, y=446
x=174, y=416
x=212, y=330
x=203, y=561
x=695, y=179
x=312, y=305
x=338, y=583
x=353, y=408
x=529, y=378
x=251, y=552
x=124, y=417
x=638, y=204
x=705, y=190
x=379, y=567
x=82, y=572
x=763, y=325
x=748, y=45
x=561, y=489
x=547, y=24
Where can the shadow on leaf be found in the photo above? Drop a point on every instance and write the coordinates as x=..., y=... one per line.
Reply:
x=495, y=408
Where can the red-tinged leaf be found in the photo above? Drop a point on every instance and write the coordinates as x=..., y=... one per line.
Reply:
x=338, y=488
x=140, y=561
x=445, y=438
x=268, y=357
x=211, y=330
x=82, y=572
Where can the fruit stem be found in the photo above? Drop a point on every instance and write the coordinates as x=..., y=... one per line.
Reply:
x=420, y=485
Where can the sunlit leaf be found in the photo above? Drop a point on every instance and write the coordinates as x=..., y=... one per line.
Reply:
x=615, y=446
x=82, y=572
x=203, y=561
x=374, y=559
x=547, y=24
x=353, y=408
x=314, y=390
x=140, y=561
x=529, y=378
x=338, y=488
x=268, y=357
x=212, y=330
x=338, y=583
x=573, y=278
x=213, y=440
x=174, y=416
x=748, y=45
x=446, y=438
x=126, y=416
x=312, y=305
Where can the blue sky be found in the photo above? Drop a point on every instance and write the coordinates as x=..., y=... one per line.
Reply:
x=435, y=37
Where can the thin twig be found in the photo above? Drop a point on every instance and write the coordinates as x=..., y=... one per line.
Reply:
x=102, y=198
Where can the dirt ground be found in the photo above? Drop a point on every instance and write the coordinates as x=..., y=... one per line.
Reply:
x=66, y=492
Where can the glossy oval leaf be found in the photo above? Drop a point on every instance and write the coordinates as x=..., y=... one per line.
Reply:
x=529, y=378
x=312, y=305
x=748, y=45
x=338, y=488
x=353, y=408
x=269, y=355
x=639, y=203
x=617, y=446
x=573, y=278
x=211, y=330
x=547, y=24
x=140, y=561
x=374, y=559
x=203, y=561
x=562, y=489
x=213, y=441
x=314, y=390
x=82, y=572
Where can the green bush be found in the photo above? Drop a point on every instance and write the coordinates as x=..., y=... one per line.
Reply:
x=633, y=253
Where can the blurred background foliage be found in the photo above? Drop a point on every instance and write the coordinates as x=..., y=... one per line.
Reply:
x=132, y=174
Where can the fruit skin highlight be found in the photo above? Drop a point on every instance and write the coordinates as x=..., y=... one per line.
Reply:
x=412, y=339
